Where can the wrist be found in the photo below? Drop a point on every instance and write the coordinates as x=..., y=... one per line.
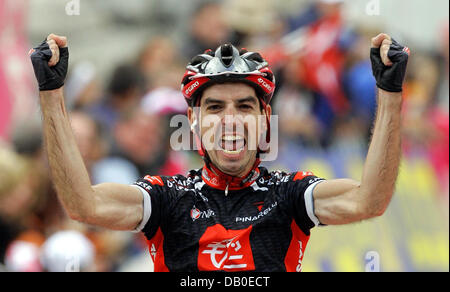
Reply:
x=55, y=93
x=52, y=98
x=389, y=99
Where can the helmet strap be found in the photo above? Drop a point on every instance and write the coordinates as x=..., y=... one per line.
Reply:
x=266, y=113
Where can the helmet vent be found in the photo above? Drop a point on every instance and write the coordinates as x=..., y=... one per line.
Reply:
x=255, y=57
x=226, y=52
x=243, y=51
x=197, y=60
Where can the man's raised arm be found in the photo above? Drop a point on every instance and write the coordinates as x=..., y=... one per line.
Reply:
x=344, y=201
x=108, y=205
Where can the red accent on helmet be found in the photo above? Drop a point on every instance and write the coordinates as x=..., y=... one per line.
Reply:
x=265, y=84
x=209, y=51
x=191, y=88
x=227, y=64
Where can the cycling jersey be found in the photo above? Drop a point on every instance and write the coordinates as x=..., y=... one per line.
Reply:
x=203, y=222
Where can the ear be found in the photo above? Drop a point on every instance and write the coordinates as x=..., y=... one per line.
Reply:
x=190, y=114
x=192, y=118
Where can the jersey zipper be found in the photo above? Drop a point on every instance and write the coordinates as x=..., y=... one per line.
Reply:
x=226, y=189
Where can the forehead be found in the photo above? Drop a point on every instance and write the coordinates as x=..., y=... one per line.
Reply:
x=228, y=92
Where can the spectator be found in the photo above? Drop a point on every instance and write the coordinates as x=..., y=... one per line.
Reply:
x=254, y=23
x=143, y=140
x=89, y=138
x=16, y=197
x=294, y=106
x=137, y=140
x=93, y=147
x=208, y=29
x=68, y=251
x=426, y=124
x=23, y=256
x=426, y=110
x=160, y=63
x=124, y=92
x=165, y=103
x=358, y=82
x=443, y=90
x=82, y=88
x=322, y=58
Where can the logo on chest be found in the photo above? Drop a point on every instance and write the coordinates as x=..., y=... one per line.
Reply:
x=224, y=249
x=195, y=213
x=262, y=213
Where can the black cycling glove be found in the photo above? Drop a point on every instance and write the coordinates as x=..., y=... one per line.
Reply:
x=49, y=78
x=390, y=78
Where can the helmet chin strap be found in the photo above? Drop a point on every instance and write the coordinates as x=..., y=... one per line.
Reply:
x=266, y=113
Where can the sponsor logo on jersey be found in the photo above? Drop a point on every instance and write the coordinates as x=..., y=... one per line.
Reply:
x=276, y=179
x=313, y=180
x=302, y=174
x=195, y=213
x=144, y=185
x=153, y=251
x=407, y=50
x=228, y=250
x=212, y=180
x=300, y=257
x=258, y=216
x=154, y=180
x=259, y=205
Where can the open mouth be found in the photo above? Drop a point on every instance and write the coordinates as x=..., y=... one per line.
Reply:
x=232, y=144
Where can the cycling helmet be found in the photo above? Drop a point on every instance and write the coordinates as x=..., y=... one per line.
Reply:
x=227, y=64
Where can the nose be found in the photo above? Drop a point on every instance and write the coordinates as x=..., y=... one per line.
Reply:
x=228, y=115
x=231, y=122
x=230, y=109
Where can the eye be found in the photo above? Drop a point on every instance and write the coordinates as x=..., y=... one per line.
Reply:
x=214, y=107
x=245, y=107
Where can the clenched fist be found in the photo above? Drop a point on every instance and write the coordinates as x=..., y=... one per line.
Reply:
x=389, y=61
x=50, y=62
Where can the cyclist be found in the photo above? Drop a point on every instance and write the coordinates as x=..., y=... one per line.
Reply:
x=232, y=214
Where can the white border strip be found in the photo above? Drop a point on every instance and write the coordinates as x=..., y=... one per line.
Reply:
x=309, y=202
x=147, y=209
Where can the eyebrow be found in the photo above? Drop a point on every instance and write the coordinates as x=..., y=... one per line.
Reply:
x=251, y=99
x=210, y=100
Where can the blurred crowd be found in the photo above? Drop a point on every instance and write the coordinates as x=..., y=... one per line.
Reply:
x=325, y=99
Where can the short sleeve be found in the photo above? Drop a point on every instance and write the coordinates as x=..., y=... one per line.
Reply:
x=157, y=200
x=299, y=192
x=147, y=209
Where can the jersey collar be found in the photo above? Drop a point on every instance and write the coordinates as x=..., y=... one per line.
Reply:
x=215, y=178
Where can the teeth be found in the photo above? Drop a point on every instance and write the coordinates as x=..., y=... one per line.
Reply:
x=232, y=137
x=227, y=140
x=232, y=151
